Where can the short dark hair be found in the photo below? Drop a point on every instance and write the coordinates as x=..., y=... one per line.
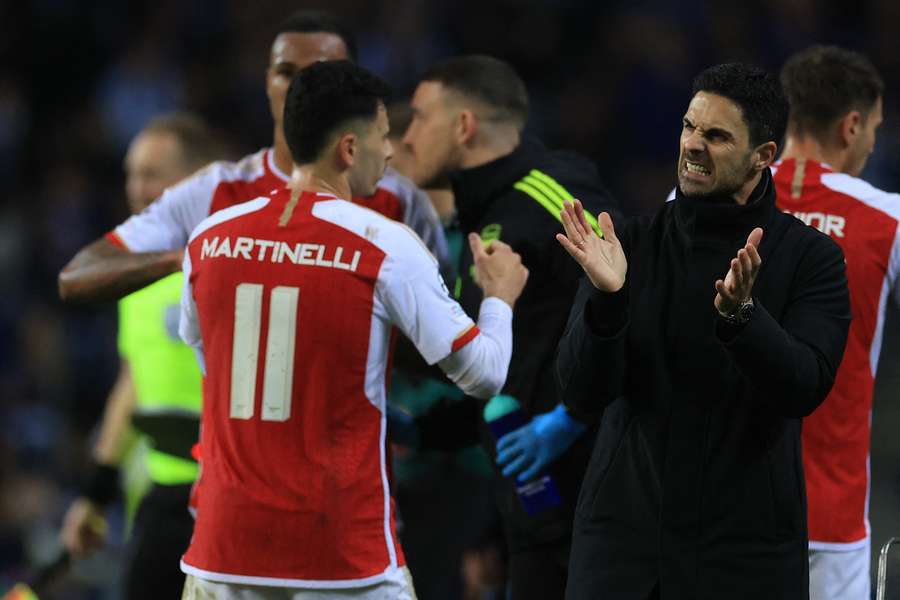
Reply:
x=823, y=83
x=324, y=96
x=486, y=79
x=198, y=142
x=320, y=21
x=757, y=93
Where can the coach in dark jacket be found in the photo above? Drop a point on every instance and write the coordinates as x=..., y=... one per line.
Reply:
x=704, y=335
x=468, y=115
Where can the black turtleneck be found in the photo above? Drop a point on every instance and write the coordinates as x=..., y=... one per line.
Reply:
x=721, y=219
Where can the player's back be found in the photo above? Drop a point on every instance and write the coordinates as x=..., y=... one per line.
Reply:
x=294, y=486
x=863, y=220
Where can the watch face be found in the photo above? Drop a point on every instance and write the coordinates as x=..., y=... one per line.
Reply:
x=745, y=311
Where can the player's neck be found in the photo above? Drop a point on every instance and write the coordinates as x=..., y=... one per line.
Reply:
x=488, y=149
x=808, y=148
x=282, y=153
x=318, y=179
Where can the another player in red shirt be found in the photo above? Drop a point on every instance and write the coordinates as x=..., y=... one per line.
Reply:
x=149, y=245
x=835, y=97
x=291, y=300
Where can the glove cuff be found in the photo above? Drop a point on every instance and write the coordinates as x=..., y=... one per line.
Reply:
x=568, y=421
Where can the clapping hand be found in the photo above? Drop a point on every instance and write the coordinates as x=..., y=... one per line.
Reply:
x=602, y=259
x=738, y=283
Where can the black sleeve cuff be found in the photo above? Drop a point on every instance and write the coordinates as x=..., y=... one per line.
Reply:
x=607, y=313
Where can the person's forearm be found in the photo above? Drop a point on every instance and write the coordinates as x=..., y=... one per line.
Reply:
x=115, y=428
x=791, y=376
x=590, y=364
x=480, y=367
x=102, y=271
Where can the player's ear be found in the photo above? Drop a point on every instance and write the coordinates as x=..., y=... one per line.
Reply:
x=347, y=147
x=466, y=126
x=764, y=155
x=850, y=126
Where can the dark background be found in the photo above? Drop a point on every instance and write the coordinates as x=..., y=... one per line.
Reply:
x=79, y=79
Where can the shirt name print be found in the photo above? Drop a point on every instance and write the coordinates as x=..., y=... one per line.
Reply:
x=247, y=248
x=832, y=225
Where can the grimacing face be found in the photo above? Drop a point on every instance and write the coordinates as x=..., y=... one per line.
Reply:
x=864, y=144
x=715, y=157
x=292, y=52
x=373, y=151
x=431, y=136
x=154, y=161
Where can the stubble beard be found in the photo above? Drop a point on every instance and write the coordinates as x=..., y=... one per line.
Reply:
x=728, y=188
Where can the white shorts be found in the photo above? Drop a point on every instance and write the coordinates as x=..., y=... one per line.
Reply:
x=840, y=575
x=203, y=589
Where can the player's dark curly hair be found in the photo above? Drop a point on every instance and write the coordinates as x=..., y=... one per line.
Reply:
x=757, y=93
x=319, y=21
x=824, y=83
x=323, y=97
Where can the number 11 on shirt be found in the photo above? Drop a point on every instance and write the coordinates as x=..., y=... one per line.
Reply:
x=278, y=377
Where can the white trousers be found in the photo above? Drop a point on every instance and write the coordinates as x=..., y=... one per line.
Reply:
x=203, y=589
x=840, y=575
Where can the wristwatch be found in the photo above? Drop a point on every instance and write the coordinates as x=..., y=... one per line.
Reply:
x=741, y=315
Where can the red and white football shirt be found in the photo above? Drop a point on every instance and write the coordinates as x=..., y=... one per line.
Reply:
x=167, y=223
x=863, y=220
x=292, y=311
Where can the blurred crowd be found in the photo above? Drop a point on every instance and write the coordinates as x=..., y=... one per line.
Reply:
x=78, y=79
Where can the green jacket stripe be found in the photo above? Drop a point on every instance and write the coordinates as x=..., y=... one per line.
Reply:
x=547, y=203
x=551, y=196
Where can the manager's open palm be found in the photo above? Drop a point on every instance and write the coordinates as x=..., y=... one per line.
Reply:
x=602, y=258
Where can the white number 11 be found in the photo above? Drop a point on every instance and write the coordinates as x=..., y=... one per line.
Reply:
x=278, y=377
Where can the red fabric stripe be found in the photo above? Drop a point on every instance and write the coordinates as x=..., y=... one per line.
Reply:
x=465, y=338
x=116, y=241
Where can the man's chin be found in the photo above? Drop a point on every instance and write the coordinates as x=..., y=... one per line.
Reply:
x=432, y=181
x=692, y=190
x=364, y=191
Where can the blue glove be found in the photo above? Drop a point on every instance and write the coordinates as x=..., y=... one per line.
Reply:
x=402, y=428
x=530, y=449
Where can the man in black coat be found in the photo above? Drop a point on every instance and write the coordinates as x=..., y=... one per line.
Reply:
x=466, y=131
x=704, y=334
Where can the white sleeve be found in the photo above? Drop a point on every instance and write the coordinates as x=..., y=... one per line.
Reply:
x=189, y=325
x=417, y=301
x=167, y=223
x=480, y=367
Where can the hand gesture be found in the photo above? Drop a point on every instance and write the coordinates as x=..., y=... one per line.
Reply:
x=738, y=283
x=601, y=258
x=499, y=270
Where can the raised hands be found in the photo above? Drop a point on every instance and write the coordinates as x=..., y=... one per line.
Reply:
x=601, y=258
x=738, y=283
